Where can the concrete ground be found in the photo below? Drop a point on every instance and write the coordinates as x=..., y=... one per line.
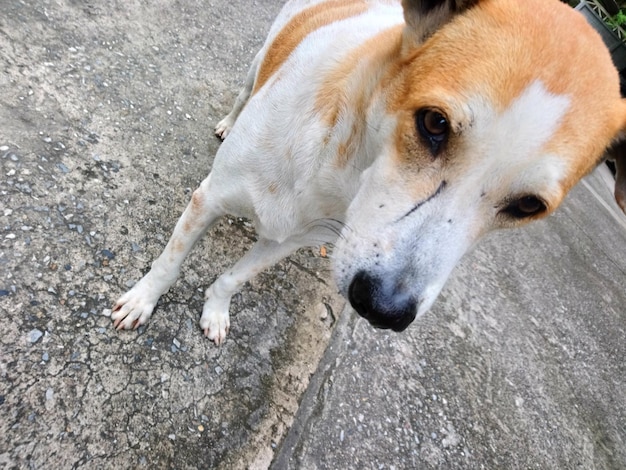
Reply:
x=106, y=111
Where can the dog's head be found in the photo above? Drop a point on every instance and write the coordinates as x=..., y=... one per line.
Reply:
x=494, y=110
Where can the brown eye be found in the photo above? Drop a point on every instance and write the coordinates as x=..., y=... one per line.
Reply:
x=435, y=123
x=526, y=206
x=434, y=128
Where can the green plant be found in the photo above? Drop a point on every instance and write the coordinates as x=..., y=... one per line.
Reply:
x=618, y=20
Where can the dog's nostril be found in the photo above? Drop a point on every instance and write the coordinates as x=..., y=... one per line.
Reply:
x=381, y=303
x=360, y=293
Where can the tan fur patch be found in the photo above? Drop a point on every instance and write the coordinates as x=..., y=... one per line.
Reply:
x=178, y=246
x=197, y=201
x=332, y=96
x=300, y=26
x=338, y=94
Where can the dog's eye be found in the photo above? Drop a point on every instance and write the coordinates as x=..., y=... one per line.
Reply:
x=434, y=128
x=526, y=206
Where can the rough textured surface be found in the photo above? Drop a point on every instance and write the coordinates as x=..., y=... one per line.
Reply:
x=106, y=116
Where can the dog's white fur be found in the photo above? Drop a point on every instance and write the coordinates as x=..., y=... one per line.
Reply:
x=323, y=139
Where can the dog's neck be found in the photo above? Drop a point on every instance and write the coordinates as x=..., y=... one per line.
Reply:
x=354, y=96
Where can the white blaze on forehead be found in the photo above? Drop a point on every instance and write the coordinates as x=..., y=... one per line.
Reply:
x=525, y=126
x=534, y=116
x=510, y=143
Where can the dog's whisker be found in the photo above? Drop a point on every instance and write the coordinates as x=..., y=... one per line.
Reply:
x=333, y=225
x=333, y=230
x=337, y=231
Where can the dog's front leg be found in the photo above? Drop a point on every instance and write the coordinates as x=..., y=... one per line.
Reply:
x=215, y=319
x=135, y=306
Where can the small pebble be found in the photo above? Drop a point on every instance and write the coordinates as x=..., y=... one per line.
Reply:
x=171, y=436
x=200, y=428
x=34, y=335
x=45, y=357
x=176, y=343
x=107, y=312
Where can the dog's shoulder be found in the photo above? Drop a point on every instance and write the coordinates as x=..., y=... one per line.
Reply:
x=300, y=25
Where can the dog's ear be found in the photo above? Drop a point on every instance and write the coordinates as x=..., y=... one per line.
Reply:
x=617, y=153
x=424, y=17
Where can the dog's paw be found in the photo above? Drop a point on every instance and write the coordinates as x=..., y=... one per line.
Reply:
x=223, y=127
x=215, y=325
x=134, y=308
x=215, y=321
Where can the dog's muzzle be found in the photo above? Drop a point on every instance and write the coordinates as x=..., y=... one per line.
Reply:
x=384, y=304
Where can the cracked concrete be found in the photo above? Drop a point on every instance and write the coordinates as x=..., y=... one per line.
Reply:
x=106, y=117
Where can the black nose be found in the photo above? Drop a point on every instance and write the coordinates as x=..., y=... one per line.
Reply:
x=381, y=302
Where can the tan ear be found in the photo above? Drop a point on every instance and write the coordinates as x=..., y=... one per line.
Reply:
x=617, y=153
x=424, y=17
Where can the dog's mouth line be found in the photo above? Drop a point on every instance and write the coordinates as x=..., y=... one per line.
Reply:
x=437, y=192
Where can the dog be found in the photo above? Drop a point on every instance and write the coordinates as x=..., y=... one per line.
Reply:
x=402, y=132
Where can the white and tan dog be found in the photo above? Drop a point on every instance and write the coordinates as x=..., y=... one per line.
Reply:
x=406, y=131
